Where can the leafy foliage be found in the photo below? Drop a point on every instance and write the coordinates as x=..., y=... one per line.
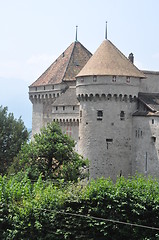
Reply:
x=51, y=154
x=46, y=210
x=12, y=135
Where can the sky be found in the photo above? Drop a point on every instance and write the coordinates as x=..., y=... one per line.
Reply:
x=35, y=32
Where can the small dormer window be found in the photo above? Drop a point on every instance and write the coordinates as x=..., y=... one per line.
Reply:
x=128, y=79
x=114, y=79
x=94, y=78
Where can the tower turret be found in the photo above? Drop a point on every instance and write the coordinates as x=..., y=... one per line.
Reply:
x=107, y=88
x=53, y=83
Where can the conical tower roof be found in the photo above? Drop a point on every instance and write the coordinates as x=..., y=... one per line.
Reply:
x=109, y=61
x=66, y=66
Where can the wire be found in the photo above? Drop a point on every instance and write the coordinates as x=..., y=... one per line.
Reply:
x=104, y=219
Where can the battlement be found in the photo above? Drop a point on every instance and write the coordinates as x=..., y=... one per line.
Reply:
x=106, y=97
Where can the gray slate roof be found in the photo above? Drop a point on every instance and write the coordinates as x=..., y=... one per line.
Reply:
x=151, y=100
x=68, y=98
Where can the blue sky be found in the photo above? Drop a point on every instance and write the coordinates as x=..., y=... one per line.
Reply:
x=35, y=32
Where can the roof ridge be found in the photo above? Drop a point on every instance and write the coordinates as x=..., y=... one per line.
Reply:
x=69, y=60
x=54, y=62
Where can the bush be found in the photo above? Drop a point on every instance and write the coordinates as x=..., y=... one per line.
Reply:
x=99, y=210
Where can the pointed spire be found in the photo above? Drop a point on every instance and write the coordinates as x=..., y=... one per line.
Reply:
x=76, y=34
x=106, y=31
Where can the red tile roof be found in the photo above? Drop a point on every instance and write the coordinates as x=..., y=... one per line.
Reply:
x=66, y=66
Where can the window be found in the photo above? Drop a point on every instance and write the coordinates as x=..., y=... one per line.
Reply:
x=99, y=115
x=80, y=113
x=146, y=163
x=136, y=133
x=73, y=107
x=63, y=108
x=94, y=78
x=52, y=86
x=68, y=131
x=82, y=79
x=153, y=139
x=122, y=115
x=114, y=79
x=56, y=108
x=108, y=141
x=128, y=79
x=44, y=87
x=153, y=121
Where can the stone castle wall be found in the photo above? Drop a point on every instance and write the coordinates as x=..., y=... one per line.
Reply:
x=105, y=128
x=145, y=151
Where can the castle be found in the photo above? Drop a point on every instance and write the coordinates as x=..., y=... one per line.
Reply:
x=106, y=104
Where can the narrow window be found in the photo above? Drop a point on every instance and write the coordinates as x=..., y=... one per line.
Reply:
x=80, y=113
x=122, y=115
x=94, y=78
x=68, y=131
x=153, y=121
x=99, y=115
x=108, y=141
x=146, y=163
x=52, y=86
x=114, y=79
x=82, y=79
x=58, y=94
x=44, y=87
x=63, y=108
x=128, y=79
x=73, y=108
x=153, y=139
x=56, y=108
x=136, y=133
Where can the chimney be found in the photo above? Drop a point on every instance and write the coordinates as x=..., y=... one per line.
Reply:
x=131, y=57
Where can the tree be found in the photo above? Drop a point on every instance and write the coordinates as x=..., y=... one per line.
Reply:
x=12, y=135
x=51, y=154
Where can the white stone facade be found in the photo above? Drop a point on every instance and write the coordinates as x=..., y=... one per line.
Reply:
x=114, y=119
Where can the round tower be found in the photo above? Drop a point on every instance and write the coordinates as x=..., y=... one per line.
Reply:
x=107, y=88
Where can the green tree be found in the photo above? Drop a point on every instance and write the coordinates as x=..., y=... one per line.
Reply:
x=12, y=135
x=51, y=154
